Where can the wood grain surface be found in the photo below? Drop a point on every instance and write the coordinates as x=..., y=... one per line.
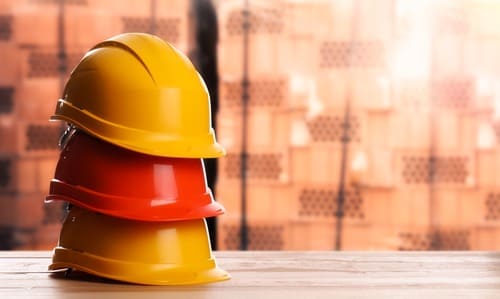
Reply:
x=263, y=274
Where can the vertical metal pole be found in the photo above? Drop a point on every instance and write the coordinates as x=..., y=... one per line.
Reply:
x=346, y=131
x=203, y=41
x=63, y=69
x=341, y=184
x=152, y=25
x=62, y=56
x=435, y=238
x=244, y=155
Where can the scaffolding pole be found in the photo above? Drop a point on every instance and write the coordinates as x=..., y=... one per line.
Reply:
x=346, y=131
x=244, y=134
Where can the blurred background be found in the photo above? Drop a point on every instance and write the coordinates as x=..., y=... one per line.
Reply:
x=349, y=124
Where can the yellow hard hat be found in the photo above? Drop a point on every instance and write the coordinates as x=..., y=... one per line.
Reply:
x=154, y=253
x=139, y=92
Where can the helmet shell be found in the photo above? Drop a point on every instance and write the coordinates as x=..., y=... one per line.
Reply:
x=153, y=253
x=115, y=181
x=138, y=92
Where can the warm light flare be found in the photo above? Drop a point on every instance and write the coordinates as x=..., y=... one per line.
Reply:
x=411, y=57
x=411, y=60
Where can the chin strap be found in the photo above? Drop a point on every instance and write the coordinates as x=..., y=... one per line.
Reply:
x=66, y=136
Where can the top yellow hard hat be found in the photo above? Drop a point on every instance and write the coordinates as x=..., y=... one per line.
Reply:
x=138, y=92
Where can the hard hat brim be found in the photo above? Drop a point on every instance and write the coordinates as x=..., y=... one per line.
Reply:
x=137, y=140
x=153, y=274
x=134, y=208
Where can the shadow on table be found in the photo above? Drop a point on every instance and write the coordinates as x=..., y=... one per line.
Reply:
x=82, y=276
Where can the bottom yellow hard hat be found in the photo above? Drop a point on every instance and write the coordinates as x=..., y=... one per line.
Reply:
x=153, y=253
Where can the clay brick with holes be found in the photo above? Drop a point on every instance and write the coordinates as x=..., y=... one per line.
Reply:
x=328, y=91
x=35, y=100
x=6, y=100
x=6, y=27
x=26, y=175
x=371, y=91
x=264, y=166
x=321, y=235
x=264, y=201
x=488, y=164
x=7, y=211
x=491, y=207
x=30, y=139
x=262, y=235
x=18, y=175
x=447, y=207
x=268, y=47
x=422, y=169
x=268, y=55
x=10, y=71
x=86, y=25
x=470, y=209
x=21, y=211
x=454, y=93
x=46, y=236
x=43, y=26
x=334, y=128
x=44, y=62
x=23, y=239
x=486, y=237
x=168, y=29
x=408, y=129
x=314, y=164
x=378, y=206
x=275, y=137
x=435, y=239
x=266, y=18
x=373, y=167
x=322, y=203
x=312, y=19
x=414, y=207
x=407, y=207
x=271, y=92
x=347, y=54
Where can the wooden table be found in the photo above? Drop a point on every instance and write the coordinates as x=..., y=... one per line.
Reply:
x=280, y=275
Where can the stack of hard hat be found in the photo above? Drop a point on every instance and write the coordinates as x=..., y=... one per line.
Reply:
x=131, y=166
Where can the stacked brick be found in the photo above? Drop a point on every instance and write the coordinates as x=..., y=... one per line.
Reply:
x=31, y=77
x=421, y=153
x=29, y=82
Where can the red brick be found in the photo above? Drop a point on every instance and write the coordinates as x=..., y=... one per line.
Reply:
x=47, y=236
x=36, y=24
x=22, y=211
x=29, y=138
x=26, y=175
x=35, y=100
x=321, y=235
x=10, y=71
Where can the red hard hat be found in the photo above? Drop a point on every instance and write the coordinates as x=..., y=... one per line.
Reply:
x=115, y=181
